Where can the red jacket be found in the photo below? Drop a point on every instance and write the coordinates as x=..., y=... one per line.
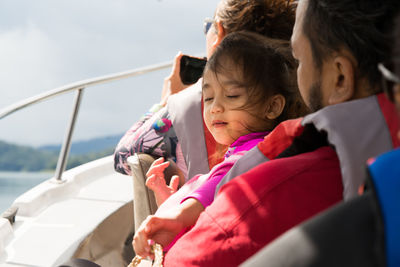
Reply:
x=302, y=177
x=249, y=212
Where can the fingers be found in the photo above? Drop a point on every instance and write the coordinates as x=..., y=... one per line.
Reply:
x=157, y=167
x=156, y=183
x=150, y=182
x=174, y=183
x=154, y=164
x=161, y=230
x=152, y=225
x=158, y=170
x=177, y=63
x=157, y=161
x=173, y=82
x=140, y=240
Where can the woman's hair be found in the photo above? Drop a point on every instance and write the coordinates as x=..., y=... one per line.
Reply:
x=267, y=68
x=271, y=18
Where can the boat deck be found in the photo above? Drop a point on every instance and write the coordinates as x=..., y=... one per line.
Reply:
x=54, y=218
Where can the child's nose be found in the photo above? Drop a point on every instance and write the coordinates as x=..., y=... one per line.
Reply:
x=217, y=106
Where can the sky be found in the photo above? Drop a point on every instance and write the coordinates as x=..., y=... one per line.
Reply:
x=45, y=44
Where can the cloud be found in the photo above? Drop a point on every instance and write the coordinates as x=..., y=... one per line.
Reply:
x=45, y=44
x=25, y=55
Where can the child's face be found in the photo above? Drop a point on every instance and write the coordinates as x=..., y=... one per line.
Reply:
x=222, y=96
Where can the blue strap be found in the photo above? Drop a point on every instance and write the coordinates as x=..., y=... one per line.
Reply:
x=385, y=172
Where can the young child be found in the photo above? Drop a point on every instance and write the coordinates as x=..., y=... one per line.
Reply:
x=248, y=88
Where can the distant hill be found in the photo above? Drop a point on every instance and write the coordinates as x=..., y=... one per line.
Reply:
x=24, y=158
x=87, y=146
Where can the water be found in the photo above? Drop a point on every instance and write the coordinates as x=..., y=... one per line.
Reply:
x=13, y=184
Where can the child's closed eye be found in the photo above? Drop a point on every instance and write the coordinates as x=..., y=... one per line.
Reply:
x=207, y=99
x=233, y=96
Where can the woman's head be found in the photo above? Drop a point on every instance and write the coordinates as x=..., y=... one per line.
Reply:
x=249, y=85
x=271, y=18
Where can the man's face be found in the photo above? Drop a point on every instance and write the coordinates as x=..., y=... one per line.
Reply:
x=310, y=80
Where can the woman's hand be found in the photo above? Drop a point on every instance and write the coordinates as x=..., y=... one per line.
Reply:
x=173, y=83
x=156, y=181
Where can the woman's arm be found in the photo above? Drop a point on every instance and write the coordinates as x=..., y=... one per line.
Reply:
x=148, y=136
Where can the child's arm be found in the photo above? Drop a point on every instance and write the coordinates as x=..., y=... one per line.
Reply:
x=206, y=192
x=156, y=181
x=163, y=228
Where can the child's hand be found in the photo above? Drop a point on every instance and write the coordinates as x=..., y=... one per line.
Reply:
x=159, y=229
x=156, y=181
x=163, y=228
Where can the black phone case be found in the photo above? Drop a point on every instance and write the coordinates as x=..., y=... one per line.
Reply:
x=191, y=69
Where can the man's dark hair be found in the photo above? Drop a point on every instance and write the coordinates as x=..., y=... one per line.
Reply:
x=360, y=26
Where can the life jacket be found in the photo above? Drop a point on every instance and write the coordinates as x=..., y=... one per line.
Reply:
x=186, y=116
x=358, y=130
x=385, y=177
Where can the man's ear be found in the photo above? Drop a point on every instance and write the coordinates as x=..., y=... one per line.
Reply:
x=276, y=104
x=220, y=31
x=343, y=80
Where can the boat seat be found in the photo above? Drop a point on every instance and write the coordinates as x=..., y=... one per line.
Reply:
x=144, y=202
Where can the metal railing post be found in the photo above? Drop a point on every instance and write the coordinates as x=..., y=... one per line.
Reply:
x=63, y=156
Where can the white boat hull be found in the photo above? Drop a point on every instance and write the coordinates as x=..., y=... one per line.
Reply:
x=89, y=215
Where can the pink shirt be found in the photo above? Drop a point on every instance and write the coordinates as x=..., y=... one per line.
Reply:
x=205, y=193
x=202, y=187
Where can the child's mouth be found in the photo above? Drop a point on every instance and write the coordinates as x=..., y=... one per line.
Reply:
x=219, y=123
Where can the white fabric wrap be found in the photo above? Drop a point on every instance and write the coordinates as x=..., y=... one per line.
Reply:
x=185, y=113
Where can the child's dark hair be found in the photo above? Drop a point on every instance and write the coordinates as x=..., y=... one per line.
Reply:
x=267, y=68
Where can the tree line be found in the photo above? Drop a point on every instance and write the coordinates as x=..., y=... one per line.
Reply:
x=25, y=158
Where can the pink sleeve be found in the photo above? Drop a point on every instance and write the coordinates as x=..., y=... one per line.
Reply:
x=205, y=193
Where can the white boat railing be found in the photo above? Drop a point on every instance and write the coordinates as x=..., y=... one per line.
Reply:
x=79, y=88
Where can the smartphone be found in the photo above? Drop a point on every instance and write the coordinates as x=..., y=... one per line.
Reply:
x=191, y=69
